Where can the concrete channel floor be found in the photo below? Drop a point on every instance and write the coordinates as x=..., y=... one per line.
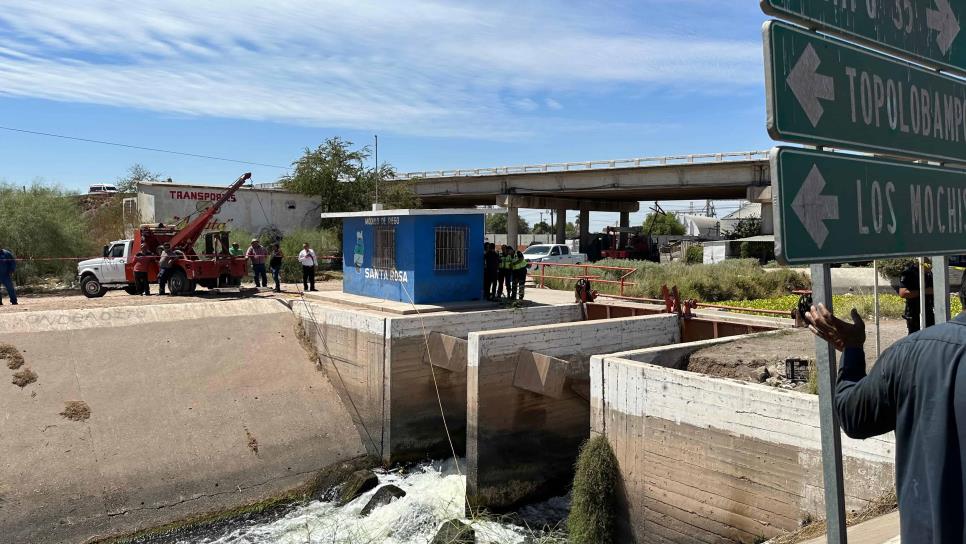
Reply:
x=881, y=530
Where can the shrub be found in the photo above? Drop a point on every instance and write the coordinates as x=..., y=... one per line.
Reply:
x=892, y=268
x=694, y=255
x=593, y=515
x=735, y=279
x=43, y=222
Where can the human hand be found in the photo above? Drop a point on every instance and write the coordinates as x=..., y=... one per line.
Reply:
x=833, y=330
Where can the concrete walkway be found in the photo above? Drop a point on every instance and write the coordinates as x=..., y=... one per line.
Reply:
x=881, y=530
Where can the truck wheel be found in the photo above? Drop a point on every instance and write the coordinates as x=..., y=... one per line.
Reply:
x=92, y=287
x=178, y=283
x=192, y=286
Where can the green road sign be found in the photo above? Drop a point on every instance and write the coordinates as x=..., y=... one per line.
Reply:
x=823, y=91
x=832, y=207
x=927, y=31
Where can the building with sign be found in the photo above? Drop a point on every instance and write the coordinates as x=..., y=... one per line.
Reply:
x=252, y=210
x=418, y=256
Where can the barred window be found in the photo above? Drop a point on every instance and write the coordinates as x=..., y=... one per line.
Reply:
x=385, y=256
x=451, y=248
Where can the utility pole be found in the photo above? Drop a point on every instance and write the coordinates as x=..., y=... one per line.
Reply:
x=376, y=205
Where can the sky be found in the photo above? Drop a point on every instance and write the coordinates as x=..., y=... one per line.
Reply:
x=444, y=84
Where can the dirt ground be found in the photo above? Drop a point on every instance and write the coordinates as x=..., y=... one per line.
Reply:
x=71, y=300
x=739, y=359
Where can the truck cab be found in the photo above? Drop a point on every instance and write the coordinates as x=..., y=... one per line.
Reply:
x=106, y=272
x=552, y=253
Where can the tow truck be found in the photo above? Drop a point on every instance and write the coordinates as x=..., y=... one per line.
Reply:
x=214, y=268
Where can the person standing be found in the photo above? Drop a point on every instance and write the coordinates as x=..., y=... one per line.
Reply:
x=235, y=250
x=909, y=290
x=491, y=271
x=309, y=263
x=256, y=253
x=164, y=266
x=520, y=265
x=916, y=388
x=503, y=277
x=275, y=264
x=142, y=261
x=8, y=265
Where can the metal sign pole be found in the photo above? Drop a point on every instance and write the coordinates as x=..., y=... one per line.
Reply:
x=940, y=279
x=831, y=437
x=875, y=302
x=922, y=294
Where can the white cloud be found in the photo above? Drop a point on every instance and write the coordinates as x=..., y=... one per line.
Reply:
x=431, y=69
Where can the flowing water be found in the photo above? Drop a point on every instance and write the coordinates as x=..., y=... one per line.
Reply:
x=434, y=494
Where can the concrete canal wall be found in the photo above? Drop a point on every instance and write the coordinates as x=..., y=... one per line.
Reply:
x=527, y=401
x=707, y=459
x=392, y=366
x=193, y=408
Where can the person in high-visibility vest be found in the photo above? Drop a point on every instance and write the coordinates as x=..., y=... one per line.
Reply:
x=506, y=272
x=519, y=275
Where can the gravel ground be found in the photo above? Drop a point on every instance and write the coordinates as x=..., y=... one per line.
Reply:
x=738, y=359
x=72, y=299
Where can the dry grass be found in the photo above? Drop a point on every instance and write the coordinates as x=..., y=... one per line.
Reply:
x=14, y=359
x=305, y=340
x=76, y=410
x=814, y=529
x=252, y=441
x=24, y=377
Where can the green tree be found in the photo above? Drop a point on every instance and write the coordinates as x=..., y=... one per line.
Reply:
x=136, y=174
x=663, y=223
x=496, y=224
x=542, y=228
x=336, y=174
x=745, y=228
x=571, y=230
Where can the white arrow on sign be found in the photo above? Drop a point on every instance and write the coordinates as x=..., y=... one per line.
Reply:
x=813, y=208
x=944, y=22
x=808, y=85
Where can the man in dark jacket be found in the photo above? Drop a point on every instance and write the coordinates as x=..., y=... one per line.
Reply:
x=917, y=388
x=909, y=290
x=491, y=271
x=8, y=264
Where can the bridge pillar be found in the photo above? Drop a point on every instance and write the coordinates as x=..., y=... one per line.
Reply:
x=512, y=222
x=625, y=223
x=584, y=230
x=763, y=196
x=561, y=226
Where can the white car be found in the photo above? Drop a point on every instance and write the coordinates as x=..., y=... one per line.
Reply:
x=101, y=189
x=552, y=253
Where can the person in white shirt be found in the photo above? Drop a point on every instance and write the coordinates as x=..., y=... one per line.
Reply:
x=309, y=262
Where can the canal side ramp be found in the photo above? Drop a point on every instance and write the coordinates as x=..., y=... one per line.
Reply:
x=133, y=417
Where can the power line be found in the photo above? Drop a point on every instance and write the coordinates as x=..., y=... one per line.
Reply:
x=156, y=150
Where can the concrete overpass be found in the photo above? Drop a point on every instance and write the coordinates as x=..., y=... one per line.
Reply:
x=611, y=186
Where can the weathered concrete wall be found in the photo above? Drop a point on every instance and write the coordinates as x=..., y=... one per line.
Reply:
x=351, y=345
x=384, y=364
x=522, y=444
x=194, y=408
x=415, y=426
x=715, y=460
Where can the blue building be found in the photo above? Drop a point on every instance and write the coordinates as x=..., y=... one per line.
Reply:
x=418, y=256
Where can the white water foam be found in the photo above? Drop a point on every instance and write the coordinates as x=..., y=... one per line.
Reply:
x=434, y=493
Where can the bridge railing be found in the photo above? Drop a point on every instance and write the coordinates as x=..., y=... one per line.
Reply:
x=590, y=165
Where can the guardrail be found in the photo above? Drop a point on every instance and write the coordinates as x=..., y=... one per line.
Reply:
x=622, y=281
x=589, y=165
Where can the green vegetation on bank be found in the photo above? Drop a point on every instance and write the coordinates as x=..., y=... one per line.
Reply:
x=593, y=510
x=738, y=279
x=890, y=305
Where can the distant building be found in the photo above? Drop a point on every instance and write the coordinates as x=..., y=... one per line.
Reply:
x=748, y=210
x=251, y=210
x=418, y=256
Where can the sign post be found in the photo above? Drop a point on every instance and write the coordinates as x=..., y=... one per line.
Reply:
x=926, y=31
x=823, y=91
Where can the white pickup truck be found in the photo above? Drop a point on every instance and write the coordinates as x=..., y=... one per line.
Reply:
x=552, y=253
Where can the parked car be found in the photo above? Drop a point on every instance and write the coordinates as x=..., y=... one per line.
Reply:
x=552, y=253
x=102, y=189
